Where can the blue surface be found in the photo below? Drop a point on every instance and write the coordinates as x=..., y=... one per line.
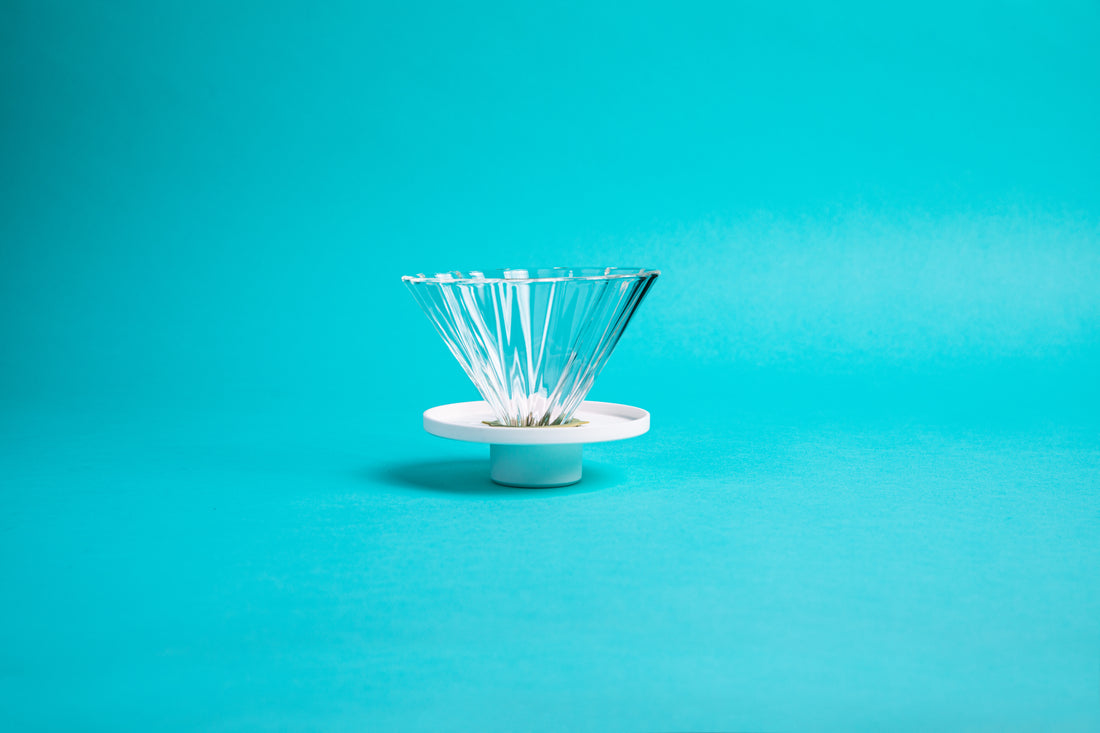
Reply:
x=871, y=495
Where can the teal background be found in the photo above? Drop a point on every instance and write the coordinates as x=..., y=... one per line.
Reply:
x=871, y=495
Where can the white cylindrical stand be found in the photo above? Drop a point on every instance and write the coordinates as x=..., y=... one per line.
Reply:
x=539, y=457
x=535, y=466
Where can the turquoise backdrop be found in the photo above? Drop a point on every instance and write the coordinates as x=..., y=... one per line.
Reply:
x=870, y=499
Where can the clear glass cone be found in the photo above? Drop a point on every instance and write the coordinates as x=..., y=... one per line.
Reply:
x=532, y=340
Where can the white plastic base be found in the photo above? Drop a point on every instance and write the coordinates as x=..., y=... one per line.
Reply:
x=535, y=466
x=536, y=457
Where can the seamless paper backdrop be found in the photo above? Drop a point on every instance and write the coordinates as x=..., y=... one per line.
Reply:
x=873, y=358
x=214, y=202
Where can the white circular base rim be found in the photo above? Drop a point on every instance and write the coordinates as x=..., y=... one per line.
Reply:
x=606, y=421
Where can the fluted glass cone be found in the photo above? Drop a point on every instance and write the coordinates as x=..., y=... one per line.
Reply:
x=532, y=340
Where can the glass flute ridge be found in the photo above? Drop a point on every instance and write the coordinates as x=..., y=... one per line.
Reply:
x=532, y=340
